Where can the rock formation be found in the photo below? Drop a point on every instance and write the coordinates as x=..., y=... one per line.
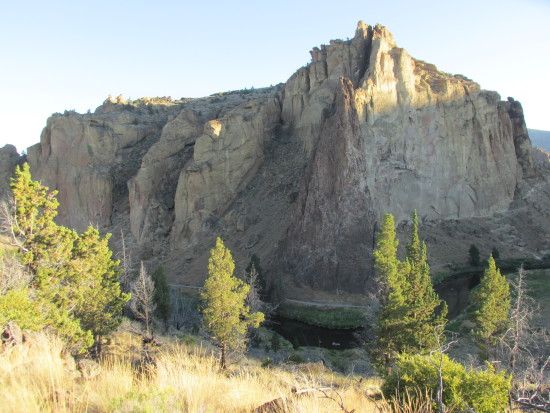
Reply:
x=9, y=158
x=300, y=173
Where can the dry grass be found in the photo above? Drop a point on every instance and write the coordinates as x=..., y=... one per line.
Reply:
x=37, y=377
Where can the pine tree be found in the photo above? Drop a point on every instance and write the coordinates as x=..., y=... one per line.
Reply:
x=475, y=260
x=425, y=310
x=491, y=302
x=162, y=295
x=74, y=277
x=410, y=310
x=225, y=314
x=389, y=327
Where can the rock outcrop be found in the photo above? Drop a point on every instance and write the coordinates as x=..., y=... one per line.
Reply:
x=421, y=139
x=9, y=159
x=300, y=173
x=225, y=158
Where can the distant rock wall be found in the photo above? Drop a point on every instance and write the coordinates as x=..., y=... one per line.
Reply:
x=9, y=159
x=89, y=159
x=420, y=140
x=226, y=157
x=376, y=130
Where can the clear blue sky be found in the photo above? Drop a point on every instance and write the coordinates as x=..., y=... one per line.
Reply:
x=58, y=55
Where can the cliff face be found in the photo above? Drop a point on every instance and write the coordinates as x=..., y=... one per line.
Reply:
x=410, y=137
x=301, y=172
x=9, y=158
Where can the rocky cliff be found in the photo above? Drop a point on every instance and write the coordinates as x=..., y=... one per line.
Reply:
x=299, y=173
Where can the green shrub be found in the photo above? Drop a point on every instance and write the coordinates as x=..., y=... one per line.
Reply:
x=296, y=358
x=268, y=361
x=485, y=391
x=275, y=342
x=18, y=306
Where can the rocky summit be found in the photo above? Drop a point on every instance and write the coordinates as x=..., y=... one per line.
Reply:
x=301, y=173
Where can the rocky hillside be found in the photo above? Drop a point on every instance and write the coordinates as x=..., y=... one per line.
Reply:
x=540, y=138
x=301, y=173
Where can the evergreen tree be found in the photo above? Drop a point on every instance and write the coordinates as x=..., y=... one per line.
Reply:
x=96, y=276
x=475, y=260
x=225, y=314
x=491, y=302
x=425, y=310
x=255, y=265
x=408, y=314
x=389, y=328
x=75, y=279
x=162, y=295
x=495, y=253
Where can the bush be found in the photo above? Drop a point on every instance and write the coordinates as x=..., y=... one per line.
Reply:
x=475, y=259
x=18, y=306
x=485, y=391
x=268, y=361
x=275, y=342
x=296, y=358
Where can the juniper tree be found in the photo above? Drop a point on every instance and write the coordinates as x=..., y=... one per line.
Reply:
x=255, y=265
x=162, y=295
x=74, y=277
x=225, y=314
x=389, y=326
x=410, y=310
x=99, y=308
x=491, y=302
x=425, y=310
x=475, y=260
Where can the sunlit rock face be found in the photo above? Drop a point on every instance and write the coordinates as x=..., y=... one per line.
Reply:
x=300, y=173
x=388, y=133
x=89, y=159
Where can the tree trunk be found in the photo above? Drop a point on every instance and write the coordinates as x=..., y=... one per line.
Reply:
x=222, y=358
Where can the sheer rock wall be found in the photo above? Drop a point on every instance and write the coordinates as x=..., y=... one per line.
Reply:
x=373, y=130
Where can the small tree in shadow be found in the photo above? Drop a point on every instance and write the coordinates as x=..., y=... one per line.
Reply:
x=142, y=302
x=475, y=260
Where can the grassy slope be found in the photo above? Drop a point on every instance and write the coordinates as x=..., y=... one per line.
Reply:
x=329, y=317
x=36, y=377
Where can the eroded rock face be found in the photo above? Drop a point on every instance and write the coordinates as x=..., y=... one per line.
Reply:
x=152, y=189
x=334, y=200
x=301, y=173
x=420, y=139
x=541, y=159
x=89, y=158
x=9, y=159
x=226, y=157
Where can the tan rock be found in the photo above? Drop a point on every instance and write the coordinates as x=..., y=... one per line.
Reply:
x=364, y=129
x=422, y=139
x=88, y=158
x=225, y=158
x=152, y=190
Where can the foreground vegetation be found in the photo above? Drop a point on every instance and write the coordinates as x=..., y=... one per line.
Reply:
x=67, y=294
x=39, y=377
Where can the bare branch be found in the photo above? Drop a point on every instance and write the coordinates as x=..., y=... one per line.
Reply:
x=142, y=301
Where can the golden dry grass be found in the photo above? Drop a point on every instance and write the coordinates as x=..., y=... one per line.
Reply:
x=37, y=377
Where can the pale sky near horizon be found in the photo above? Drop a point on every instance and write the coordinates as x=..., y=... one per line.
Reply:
x=63, y=55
